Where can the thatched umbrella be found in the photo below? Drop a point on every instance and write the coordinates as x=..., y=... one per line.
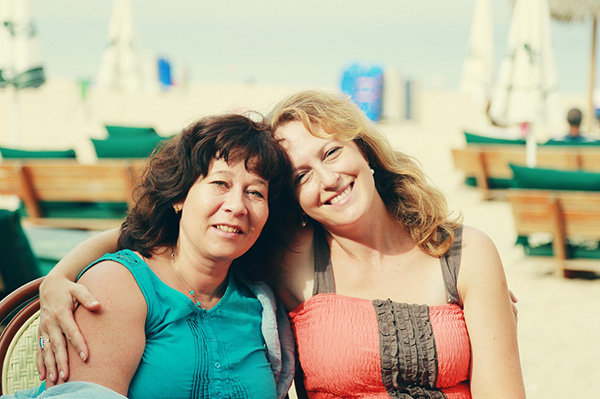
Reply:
x=579, y=10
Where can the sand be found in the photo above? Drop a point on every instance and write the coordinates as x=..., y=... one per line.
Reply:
x=559, y=327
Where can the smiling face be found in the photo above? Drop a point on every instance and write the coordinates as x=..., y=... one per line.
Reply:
x=224, y=212
x=332, y=178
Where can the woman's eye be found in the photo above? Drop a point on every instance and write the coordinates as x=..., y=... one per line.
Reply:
x=299, y=179
x=256, y=194
x=332, y=151
x=219, y=183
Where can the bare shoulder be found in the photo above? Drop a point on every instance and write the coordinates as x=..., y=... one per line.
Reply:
x=480, y=260
x=476, y=240
x=115, y=335
x=477, y=248
x=113, y=281
x=297, y=270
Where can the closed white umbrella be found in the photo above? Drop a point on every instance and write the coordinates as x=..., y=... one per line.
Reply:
x=20, y=53
x=478, y=67
x=527, y=87
x=577, y=10
x=120, y=67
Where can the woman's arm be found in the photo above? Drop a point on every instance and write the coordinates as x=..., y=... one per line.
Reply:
x=495, y=363
x=60, y=296
x=297, y=271
x=115, y=334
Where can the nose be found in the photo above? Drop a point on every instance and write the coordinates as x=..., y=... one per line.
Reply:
x=235, y=202
x=328, y=177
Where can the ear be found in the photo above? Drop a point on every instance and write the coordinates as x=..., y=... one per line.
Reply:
x=178, y=206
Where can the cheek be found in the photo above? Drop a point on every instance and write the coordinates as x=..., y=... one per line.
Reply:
x=307, y=195
x=260, y=215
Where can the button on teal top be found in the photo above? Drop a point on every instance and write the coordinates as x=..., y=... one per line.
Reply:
x=198, y=353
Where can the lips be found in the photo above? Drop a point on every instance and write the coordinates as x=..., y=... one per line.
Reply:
x=341, y=196
x=228, y=229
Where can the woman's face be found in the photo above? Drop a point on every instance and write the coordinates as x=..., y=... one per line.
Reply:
x=225, y=211
x=332, y=178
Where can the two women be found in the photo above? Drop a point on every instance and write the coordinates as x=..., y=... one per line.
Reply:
x=388, y=295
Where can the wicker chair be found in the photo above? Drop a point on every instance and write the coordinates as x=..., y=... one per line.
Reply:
x=19, y=315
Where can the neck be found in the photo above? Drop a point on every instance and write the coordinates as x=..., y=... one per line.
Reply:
x=382, y=237
x=208, y=280
x=574, y=131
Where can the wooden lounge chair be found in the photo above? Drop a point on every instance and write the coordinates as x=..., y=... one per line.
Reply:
x=564, y=214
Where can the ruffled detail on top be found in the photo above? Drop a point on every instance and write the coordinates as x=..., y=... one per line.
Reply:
x=407, y=348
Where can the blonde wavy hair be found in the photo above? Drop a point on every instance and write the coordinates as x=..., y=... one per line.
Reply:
x=418, y=205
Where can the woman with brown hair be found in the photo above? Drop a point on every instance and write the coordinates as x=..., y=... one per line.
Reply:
x=183, y=312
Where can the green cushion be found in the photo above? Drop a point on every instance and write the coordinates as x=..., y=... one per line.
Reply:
x=573, y=251
x=81, y=210
x=11, y=153
x=134, y=147
x=572, y=143
x=493, y=182
x=129, y=131
x=18, y=264
x=553, y=179
x=479, y=139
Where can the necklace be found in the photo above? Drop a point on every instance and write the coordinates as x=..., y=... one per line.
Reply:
x=184, y=281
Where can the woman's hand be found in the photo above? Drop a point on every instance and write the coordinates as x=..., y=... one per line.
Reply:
x=513, y=304
x=59, y=297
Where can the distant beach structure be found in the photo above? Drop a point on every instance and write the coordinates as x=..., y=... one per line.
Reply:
x=364, y=85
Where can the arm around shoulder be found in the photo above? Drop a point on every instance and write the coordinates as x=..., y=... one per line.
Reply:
x=59, y=296
x=495, y=362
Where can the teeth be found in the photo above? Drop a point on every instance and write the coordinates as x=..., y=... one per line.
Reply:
x=341, y=196
x=227, y=229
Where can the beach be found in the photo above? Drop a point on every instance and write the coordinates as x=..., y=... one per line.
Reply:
x=559, y=334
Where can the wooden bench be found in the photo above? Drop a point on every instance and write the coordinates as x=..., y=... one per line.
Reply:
x=486, y=162
x=564, y=214
x=35, y=182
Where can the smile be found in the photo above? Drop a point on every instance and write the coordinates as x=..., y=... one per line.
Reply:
x=341, y=196
x=228, y=229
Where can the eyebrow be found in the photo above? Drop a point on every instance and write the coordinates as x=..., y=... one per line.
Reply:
x=258, y=180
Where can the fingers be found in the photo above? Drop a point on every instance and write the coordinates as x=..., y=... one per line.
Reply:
x=69, y=328
x=48, y=360
x=58, y=302
x=59, y=327
x=513, y=304
x=83, y=296
x=40, y=364
x=50, y=345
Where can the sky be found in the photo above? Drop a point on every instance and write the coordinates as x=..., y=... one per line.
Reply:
x=306, y=42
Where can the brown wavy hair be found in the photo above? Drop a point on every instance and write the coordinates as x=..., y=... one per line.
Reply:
x=399, y=179
x=174, y=167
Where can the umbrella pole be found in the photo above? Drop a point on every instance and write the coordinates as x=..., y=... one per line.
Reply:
x=592, y=113
x=15, y=118
x=531, y=148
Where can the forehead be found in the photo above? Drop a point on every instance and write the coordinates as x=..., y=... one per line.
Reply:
x=295, y=134
x=233, y=168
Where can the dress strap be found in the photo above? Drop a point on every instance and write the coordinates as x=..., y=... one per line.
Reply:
x=450, y=266
x=324, y=281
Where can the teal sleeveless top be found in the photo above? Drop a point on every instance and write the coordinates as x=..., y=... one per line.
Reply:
x=197, y=353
